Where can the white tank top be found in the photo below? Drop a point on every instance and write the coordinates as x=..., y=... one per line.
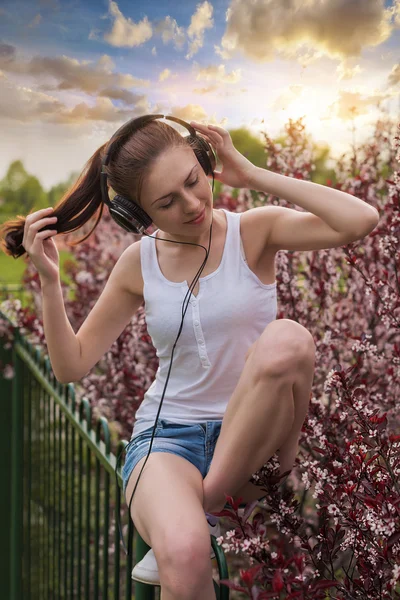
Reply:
x=229, y=313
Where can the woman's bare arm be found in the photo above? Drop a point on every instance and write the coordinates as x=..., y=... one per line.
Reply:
x=73, y=355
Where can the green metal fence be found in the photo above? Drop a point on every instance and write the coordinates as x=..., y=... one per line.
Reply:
x=59, y=497
x=12, y=290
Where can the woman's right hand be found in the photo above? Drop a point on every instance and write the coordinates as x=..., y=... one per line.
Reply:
x=40, y=246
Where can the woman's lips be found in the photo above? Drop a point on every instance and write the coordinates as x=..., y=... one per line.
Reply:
x=198, y=220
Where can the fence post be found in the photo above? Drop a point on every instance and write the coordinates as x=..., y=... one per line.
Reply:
x=143, y=591
x=16, y=464
x=6, y=386
x=11, y=451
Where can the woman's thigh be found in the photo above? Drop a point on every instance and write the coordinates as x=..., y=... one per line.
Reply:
x=167, y=506
x=249, y=491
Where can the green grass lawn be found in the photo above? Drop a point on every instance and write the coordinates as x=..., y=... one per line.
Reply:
x=12, y=269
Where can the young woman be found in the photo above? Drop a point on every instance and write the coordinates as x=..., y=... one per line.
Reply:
x=241, y=380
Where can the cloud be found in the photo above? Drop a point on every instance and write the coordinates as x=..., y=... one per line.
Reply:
x=165, y=74
x=354, y=104
x=193, y=112
x=217, y=91
x=394, y=77
x=200, y=21
x=285, y=99
x=169, y=31
x=7, y=53
x=263, y=29
x=20, y=103
x=94, y=34
x=125, y=33
x=35, y=21
x=103, y=110
x=128, y=98
x=345, y=71
x=217, y=73
x=206, y=90
x=70, y=73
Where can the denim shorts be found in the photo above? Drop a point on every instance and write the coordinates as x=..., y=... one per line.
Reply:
x=195, y=442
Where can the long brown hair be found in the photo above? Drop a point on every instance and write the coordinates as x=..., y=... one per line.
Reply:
x=125, y=173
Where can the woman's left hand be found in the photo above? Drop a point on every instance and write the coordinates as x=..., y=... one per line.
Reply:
x=236, y=171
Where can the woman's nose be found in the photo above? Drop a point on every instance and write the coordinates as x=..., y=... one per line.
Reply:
x=191, y=204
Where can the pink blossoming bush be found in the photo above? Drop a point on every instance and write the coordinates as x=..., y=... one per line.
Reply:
x=334, y=526
x=331, y=528
x=115, y=387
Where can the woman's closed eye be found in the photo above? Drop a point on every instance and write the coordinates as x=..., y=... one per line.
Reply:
x=189, y=185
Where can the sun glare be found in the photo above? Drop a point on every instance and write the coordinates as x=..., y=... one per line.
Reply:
x=308, y=108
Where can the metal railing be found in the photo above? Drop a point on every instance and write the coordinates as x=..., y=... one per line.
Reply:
x=12, y=290
x=60, y=499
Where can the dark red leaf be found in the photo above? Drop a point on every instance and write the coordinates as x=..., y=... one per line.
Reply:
x=323, y=584
x=277, y=581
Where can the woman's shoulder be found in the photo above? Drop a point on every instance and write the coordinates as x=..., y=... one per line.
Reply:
x=132, y=268
x=254, y=228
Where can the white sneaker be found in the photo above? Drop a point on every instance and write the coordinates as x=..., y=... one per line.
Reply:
x=214, y=530
x=146, y=570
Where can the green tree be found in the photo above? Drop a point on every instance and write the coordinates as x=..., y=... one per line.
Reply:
x=249, y=145
x=254, y=150
x=57, y=191
x=21, y=192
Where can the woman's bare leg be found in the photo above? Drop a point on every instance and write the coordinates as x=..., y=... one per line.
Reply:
x=265, y=413
x=167, y=511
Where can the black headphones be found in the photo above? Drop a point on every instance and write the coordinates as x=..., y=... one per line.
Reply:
x=129, y=215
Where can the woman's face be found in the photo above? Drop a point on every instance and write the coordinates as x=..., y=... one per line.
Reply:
x=176, y=191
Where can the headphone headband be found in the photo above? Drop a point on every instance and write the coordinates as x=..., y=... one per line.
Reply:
x=127, y=213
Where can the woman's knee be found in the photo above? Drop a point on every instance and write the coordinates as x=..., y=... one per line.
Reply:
x=183, y=555
x=283, y=346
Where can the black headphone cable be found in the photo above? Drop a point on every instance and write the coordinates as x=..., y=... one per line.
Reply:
x=192, y=286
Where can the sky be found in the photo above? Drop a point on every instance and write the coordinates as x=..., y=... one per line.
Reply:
x=73, y=71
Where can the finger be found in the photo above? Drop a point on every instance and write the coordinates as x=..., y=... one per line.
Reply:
x=42, y=222
x=215, y=136
x=217, y=174
x=46, y=233
x=208, y=138
x=206, y=130
x=32, y=229
x=39, y=214
x=220, y=130
x=213, y=139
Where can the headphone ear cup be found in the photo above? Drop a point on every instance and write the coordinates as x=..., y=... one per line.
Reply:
x=129, y=215
x=204, y=153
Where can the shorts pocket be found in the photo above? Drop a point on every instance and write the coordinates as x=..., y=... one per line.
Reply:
x=148, y=432
x=171, y=429
x=163, y=424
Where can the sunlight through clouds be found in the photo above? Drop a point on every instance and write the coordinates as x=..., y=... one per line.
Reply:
x=252, y=64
